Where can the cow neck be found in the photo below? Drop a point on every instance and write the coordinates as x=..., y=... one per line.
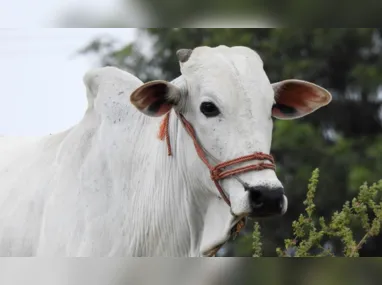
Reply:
x=218, y=172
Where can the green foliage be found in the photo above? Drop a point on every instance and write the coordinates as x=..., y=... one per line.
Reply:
x=256, y=241
x=309, y=231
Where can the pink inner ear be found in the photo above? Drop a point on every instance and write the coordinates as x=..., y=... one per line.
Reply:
x=163, y=109
x=151, y=99
x=302, y=97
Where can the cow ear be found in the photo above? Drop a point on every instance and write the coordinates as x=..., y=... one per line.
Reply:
x=155, y=98
x=296, y=98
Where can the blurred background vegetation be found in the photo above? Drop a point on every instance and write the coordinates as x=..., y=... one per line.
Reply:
x=223, y=13
x=343, y=139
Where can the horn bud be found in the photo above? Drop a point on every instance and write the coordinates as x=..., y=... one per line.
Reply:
x=183, y=54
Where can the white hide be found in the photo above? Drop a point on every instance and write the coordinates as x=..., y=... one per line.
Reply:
x=106, y=187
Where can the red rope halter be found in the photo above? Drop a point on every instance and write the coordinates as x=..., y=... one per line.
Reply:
x=217, y=172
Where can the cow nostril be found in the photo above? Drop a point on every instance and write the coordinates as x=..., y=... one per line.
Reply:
x=257, y=206
x=256, y=197
x=256, y=194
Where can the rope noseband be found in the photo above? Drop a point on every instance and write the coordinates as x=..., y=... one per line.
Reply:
x=218, y=171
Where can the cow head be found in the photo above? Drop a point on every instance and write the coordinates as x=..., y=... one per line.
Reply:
x=227, y=97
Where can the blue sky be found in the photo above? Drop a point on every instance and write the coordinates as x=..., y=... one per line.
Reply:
x=41, y=82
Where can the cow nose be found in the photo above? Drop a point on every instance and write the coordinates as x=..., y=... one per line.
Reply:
x=267, y=201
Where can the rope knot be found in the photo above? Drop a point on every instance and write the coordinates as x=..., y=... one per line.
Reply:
x=215, y=174
x=262, y=165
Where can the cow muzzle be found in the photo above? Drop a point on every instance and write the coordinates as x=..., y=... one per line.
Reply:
x=267, y=202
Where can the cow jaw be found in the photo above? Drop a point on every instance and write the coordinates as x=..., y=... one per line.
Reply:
x=218, y=223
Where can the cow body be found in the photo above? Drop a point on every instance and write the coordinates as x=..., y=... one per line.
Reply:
x=107, y=187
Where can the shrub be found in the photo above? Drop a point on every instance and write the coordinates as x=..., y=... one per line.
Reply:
x=309, y=231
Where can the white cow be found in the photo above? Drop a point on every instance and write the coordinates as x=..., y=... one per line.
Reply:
x=107, y=186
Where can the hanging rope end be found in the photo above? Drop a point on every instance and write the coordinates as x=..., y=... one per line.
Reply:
x=163, y=127
x=163, y=132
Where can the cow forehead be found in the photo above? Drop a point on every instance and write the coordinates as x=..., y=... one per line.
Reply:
x=231, y=74
x=206, y=59
x=210, y=53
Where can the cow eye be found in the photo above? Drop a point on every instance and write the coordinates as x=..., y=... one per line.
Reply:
x=209, y=109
